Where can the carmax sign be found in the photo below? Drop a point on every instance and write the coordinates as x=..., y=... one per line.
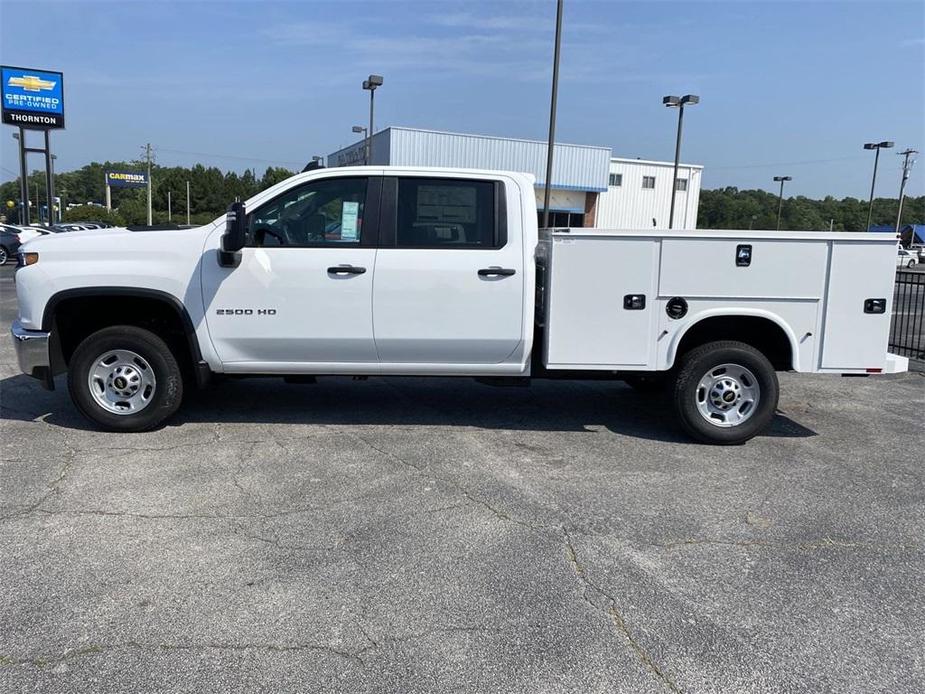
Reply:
x=32, y=98
x=126, y=179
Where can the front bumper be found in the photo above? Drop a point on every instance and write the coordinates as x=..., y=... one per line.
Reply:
x=33, y=352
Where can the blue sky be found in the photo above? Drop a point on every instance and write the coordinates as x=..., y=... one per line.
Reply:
x=786, y=87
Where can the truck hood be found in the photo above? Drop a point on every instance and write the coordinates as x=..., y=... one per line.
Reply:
x=119, y=239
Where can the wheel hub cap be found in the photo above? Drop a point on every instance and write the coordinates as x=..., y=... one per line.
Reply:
x=727, y=395
x=122, y=382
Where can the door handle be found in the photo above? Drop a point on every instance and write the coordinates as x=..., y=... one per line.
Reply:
x=346, y=270
x=496, y=272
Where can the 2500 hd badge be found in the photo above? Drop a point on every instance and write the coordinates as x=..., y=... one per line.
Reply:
x=245, y=312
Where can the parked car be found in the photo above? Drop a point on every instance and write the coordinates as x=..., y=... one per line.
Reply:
x=906, y=259
x=24, y=233
x=465, y=285
x=9, y=244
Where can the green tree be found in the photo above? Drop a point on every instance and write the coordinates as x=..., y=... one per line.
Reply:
x=93, y=213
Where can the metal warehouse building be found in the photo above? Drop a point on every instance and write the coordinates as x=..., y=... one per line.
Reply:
x=589, y=186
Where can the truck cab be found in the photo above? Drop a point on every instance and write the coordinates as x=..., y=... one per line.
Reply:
x=368, y=271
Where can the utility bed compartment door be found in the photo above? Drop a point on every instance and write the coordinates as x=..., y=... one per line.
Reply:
x=853, y=339
x=602, y=302
x=711, y=268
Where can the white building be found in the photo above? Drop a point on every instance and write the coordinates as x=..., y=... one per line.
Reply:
x=638, y=195
x=589, y=187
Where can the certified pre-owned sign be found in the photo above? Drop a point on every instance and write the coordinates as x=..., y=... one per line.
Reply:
x=32, y=98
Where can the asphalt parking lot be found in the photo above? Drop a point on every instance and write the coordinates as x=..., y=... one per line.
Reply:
x=415, y=535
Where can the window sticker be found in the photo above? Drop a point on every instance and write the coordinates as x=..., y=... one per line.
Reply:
x=348, y=221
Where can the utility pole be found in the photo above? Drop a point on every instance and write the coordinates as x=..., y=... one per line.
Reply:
x=907, y=168
x=168, y=207
x=148, y=159
x=187, y=203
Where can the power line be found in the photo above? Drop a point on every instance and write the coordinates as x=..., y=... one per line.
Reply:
x=786, y=163
x=227, y=156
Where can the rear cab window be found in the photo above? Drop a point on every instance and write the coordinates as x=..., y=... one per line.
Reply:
x=444, y=213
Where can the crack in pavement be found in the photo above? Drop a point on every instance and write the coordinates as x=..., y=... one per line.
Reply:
x=808, y=545
x=613, y=613
x=499, y=513
x=52, y=486
x=97, y=649
x=355, y=657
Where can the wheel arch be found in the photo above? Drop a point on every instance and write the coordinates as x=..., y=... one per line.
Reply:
x=166, y=307
x=762, y=329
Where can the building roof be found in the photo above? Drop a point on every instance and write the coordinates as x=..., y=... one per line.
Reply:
x=652, y=162
x=575, y=167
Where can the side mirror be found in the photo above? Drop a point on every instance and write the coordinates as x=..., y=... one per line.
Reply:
x=235, y=236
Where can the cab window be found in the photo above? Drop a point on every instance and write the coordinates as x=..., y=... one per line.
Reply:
x=328, y=212
x=445, y=213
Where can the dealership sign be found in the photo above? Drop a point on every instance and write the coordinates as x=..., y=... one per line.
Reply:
x=32, y=98
x=126, y=179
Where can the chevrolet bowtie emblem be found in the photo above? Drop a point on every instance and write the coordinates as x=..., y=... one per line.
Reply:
x=31, y=83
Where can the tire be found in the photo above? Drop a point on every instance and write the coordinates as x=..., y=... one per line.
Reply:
x=712, y=402
x=4, y=255
x=151, y=381
x=910, y=264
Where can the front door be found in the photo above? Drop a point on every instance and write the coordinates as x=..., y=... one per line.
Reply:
x=302, y=294
x=449, y=281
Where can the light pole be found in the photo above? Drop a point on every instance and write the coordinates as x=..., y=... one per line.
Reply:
x=907, y=168
x=23, y=178
x=360, y=129
x=873, y=182
x=370, y=85
x=551, y=143
x=678, y=102
x=780, y=198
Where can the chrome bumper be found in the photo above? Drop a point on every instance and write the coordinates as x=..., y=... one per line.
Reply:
x=33, y=352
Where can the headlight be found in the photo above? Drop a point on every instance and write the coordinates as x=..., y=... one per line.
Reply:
x=23, y=259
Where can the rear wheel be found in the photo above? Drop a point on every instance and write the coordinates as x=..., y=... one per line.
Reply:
x=4, y=255
x=725, y=392
x=125, y=379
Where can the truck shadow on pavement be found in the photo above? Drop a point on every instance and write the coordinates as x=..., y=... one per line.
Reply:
x=566, y=406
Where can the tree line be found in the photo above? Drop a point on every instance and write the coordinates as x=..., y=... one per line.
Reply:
x=731, y=208
x=211, y=190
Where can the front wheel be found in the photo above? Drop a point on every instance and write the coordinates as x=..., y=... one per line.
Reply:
x=4, y=255
x=725, y=392
x=910, y=264
x=125, y=379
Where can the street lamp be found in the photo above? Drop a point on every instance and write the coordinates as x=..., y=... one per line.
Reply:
x=360, y=129
x=780, y=199
x=876, y=146
x=678, y=102
x=23, y=179
x=370, y=85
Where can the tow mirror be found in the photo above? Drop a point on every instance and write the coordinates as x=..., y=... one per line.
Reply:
x=235, y=236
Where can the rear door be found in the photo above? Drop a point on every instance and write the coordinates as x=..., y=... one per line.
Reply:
x=302, y=294
x=449, y=285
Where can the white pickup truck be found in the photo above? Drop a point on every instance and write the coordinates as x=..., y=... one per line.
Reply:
x=440, y=272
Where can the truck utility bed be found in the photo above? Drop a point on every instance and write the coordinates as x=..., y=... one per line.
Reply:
x=605, y=294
